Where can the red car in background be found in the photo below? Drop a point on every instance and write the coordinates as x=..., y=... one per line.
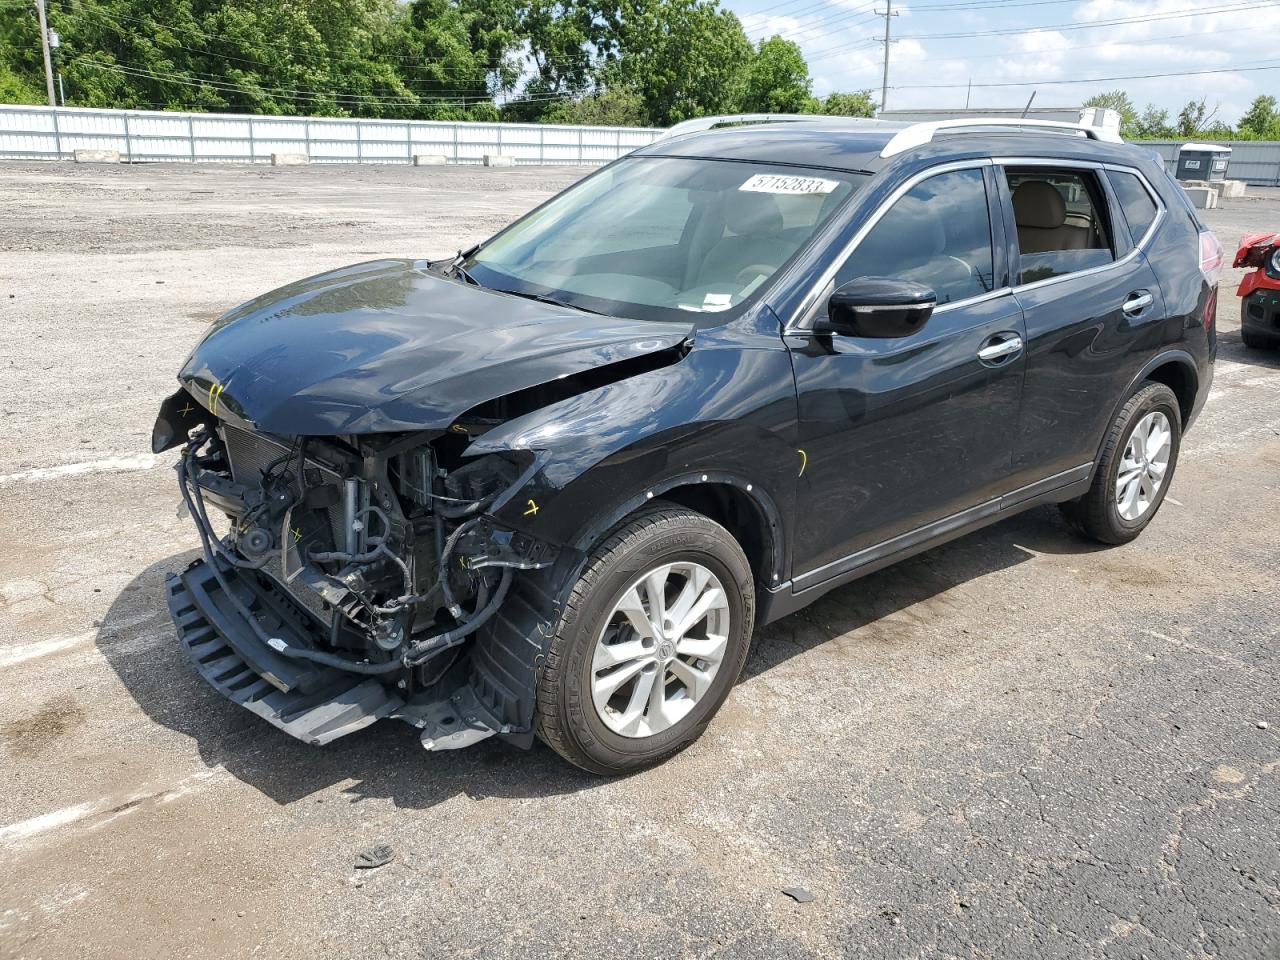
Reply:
x=1260, y=290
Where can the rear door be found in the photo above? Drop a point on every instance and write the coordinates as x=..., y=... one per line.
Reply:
x=1092, y=306
x=899, y=434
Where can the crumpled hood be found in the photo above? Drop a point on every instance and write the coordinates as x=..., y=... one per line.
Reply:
x=388, y=346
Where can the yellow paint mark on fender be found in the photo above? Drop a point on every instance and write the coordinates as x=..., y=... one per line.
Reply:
x=804, y=461
x=215, y=393
x=532, y=511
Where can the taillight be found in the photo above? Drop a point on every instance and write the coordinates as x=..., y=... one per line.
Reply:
x=1210, y=310
x=1210, y=257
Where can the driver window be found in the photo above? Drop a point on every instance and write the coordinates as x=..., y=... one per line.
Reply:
x=938, y=234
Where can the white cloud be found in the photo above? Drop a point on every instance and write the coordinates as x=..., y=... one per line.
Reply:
x=843, y=54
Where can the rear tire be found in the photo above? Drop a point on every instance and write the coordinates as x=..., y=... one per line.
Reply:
x=1135, y=469
x=688, y=561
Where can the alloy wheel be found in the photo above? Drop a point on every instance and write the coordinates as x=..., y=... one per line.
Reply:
x=1143, y=466
x=660, y=649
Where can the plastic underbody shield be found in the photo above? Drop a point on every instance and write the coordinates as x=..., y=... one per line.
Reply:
x=310, y=701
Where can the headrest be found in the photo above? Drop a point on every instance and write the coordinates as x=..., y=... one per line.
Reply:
x=752, y=214
x=1037, y=204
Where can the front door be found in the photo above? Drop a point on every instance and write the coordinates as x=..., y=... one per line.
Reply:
x=899, y=434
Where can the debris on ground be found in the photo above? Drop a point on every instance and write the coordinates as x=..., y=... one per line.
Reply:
x=374, y=857
x=798, y=894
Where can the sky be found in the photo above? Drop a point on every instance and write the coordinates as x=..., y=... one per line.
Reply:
x=1034, y=45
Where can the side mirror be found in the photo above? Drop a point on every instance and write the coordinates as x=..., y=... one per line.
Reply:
x=879, y=307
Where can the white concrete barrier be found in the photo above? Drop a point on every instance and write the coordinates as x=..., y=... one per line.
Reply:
x=498, y=160
x=1202, y=198
x=429, y=159
x=289, y=159
x=97, y=156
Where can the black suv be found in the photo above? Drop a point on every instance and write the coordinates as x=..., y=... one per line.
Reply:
x=550, y=486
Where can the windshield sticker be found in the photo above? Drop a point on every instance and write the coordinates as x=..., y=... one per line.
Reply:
x=777, y=183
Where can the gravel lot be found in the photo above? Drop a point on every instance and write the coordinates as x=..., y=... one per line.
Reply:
x=1014, y=746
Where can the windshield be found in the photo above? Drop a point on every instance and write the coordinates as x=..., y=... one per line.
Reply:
x=661, y=237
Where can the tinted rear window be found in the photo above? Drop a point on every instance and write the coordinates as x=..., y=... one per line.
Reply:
x=1139, y=209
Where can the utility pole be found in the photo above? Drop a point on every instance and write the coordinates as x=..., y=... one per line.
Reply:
x=44, y=43
x=888, y=14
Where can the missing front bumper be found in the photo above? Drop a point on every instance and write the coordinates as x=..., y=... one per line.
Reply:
x=314, y=703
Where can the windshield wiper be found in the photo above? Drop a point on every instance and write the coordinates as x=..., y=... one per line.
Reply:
x=456, y=268
x=543, y=298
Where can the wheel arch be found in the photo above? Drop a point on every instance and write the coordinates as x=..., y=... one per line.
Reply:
x=1178, y=373
x=739, y=505
x=1176, y=369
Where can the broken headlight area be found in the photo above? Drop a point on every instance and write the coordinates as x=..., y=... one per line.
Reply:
x=344, y=578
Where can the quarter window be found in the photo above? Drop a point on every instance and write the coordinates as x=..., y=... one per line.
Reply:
x=1139, y=209
x=1062, y=223
x=937, y=234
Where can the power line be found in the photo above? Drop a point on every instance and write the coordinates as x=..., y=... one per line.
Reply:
x=1133, y=76
x=301, y=96
x=1095, y=24
x=108, y=21
x=1080, y=46
x=1060, y=27
x=154, y=23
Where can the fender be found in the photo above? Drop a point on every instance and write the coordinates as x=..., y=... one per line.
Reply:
x=1159, y=360
x=724, y=414
x=770, y=514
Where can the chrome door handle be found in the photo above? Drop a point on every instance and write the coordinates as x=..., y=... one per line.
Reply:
x=997, y=351
x=1139, y=301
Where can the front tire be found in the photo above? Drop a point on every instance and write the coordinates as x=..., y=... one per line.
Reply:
x=652, y=638
x=1135, y=470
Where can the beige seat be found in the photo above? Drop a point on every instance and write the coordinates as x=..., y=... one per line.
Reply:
x=753, y=237
x=1041, y=215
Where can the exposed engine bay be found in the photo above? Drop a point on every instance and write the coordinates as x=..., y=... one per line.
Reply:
x=350, y=558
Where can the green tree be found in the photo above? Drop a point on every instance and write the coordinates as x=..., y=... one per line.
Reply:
x=563, y=37
x=1194, y=117
x=1260, y=117
x=1153, y=124
x=15, y=88
x=21, y=67
x=1118, y=101
x=684, y=58
x=857, y=104
x=778, y=79
x=603, y=108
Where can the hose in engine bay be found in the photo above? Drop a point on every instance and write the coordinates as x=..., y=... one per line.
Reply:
x=417, y=653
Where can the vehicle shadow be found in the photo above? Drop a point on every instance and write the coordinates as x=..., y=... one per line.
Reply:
x=1231, y=347
x=386, y=761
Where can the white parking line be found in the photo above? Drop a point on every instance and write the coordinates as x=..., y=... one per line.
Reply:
x=111, y=809
x=9, y=656
x=142, y=461
x=26, y=829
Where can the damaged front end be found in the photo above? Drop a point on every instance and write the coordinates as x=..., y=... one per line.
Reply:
x=348, y=578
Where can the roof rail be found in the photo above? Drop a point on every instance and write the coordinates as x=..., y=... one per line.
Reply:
x=706, y=123
x=918, y=134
